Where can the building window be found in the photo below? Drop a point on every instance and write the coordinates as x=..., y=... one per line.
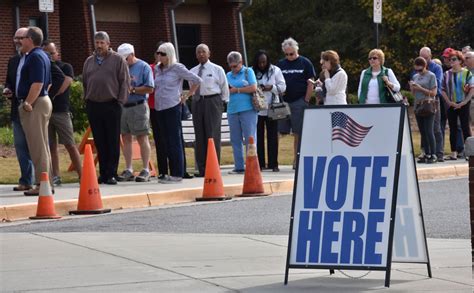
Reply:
x=34, y=21
x=189, y=36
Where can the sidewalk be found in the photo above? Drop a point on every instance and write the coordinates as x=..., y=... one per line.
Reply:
x=16, y=206
x=162, y=262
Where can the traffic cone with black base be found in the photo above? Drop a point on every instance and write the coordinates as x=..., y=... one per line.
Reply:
x=45, y=209
x=253, y=183
x=213, y=187
x=90, y=201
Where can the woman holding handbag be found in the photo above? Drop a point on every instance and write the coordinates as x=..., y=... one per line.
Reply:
x=270, y=79
x=423, y=86
x=375, y=79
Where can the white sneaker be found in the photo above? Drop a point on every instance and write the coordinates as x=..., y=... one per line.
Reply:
x=172, y=180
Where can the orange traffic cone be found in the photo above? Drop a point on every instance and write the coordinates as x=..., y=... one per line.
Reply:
x=213, y=186
x=253, y=183
x=90, y=201
x=45, y=209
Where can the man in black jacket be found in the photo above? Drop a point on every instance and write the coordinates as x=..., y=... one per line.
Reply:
x=13, y=76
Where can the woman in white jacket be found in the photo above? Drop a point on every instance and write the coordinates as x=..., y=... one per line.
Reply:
x=270, y=79
x=332, y=82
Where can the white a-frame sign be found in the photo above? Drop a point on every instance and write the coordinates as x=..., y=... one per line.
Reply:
x=356, y=200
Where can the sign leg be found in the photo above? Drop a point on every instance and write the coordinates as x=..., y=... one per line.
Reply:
x=387, y=277
x=331, y=272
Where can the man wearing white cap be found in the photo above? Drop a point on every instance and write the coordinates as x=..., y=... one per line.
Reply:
x=136, y=114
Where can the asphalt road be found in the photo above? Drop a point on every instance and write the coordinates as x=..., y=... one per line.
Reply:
x=445, y=207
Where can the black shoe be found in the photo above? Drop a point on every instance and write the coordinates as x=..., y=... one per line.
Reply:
x=111, y=181
x=187, y=176
x=432, y=159
x=199, y=175
x=161, y=177
x=276, y=169
x=100, y=180
x=422, y=160
x=440, y=159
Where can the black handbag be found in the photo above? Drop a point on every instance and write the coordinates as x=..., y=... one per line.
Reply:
x=278, y=111
x=425, y=107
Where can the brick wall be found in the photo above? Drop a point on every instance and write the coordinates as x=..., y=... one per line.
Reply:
x=155, y=26
x=206, y=35
x=225, y=30
x=122, y=32
x=75, y=33
x=7, y=30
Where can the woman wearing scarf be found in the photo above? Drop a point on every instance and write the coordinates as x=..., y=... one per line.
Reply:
x=333, y=79
x=375, y=79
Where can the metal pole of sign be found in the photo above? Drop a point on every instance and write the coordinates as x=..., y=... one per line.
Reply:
x=46, y=26
x=376, y=35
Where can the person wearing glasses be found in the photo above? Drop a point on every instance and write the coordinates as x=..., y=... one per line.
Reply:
x=297, y=70
x=15, y=64
x=106, y=82
x=135, y=119
x=333, y=79
x=169, y=76
x=240, y=111
x=457, y=91
x=375, y=79
x=424, y=86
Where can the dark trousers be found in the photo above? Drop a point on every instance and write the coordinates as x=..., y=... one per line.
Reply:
x=104, y=119
x=425, y=124
x=439, y=139
x=444, y=120
x=463, y=115
x=272, y=142
x=207, y=119
x=169, y=134
x=160, y=147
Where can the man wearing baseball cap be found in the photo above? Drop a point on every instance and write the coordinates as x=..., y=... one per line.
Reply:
x=135, y=119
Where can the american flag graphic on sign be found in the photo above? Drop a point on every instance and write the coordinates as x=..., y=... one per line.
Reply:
x=345, y=129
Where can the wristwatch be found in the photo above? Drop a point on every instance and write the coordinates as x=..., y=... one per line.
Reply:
x=133, y=90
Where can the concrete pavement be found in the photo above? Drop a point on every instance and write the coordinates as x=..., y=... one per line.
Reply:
x=16, y=206
x=161, y=262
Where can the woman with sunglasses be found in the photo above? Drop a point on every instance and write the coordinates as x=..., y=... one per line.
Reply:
x=423, y=86
x=457, y=91
x=375, y=79
x=240, y=112
x=169, y=76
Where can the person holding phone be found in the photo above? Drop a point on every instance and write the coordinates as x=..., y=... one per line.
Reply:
x=332, y=83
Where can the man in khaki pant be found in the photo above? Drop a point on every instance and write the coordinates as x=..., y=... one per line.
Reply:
x=35, y=108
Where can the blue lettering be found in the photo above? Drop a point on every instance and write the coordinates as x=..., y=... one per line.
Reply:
x=373, y=237
x=329, y=236
x=351, y=234
x=312, y=187
x=305, y=235
x=378, y=181
x=337, y=163
x=360, y=163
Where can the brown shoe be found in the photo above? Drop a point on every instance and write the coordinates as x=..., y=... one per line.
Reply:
x=22, y=187
x=32, y=192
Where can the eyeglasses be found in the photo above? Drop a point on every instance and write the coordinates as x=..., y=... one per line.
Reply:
x=234, y=66
x=453, y=59
x=373, y=58
x=161, y=54
x=290, y=54
x=19, y=38
x=467, y=58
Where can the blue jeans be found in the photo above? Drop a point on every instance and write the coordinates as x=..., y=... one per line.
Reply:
x=242, y=125
x=23, y=155
x=169, y=135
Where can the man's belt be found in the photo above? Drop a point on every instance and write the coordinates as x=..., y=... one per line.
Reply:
x=128, y=105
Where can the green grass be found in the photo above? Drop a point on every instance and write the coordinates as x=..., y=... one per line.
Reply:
x=10, y=168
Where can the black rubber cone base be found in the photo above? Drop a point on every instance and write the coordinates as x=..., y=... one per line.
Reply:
x=220, y=198
x=252, y=194
x=45, y=217
x=92, y=212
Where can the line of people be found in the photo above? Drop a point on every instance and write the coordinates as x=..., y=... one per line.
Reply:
x=124, y=95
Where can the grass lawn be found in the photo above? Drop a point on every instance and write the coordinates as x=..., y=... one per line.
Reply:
x=10, y=168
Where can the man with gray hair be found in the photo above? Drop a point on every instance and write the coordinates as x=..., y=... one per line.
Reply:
x=15, y=64
x=35, y=108
x=106, y=84
x=296, y=70
x=440, y=116
x=207, y=105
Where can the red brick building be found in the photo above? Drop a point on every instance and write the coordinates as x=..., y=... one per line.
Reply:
x=142, y=23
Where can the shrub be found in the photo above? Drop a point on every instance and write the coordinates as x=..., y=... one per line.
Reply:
x=78, y=109
x=6, y=136
x=5, y=108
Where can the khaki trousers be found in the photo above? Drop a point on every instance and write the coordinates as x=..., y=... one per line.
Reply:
x=35, y=126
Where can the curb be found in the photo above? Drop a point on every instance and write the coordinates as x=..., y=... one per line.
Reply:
x=138, y=200
x=143, y=200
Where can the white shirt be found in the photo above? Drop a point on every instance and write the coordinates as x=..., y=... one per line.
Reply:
x=273, y=77
x=336, y=89
x=214, y=80
x=373, y=90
